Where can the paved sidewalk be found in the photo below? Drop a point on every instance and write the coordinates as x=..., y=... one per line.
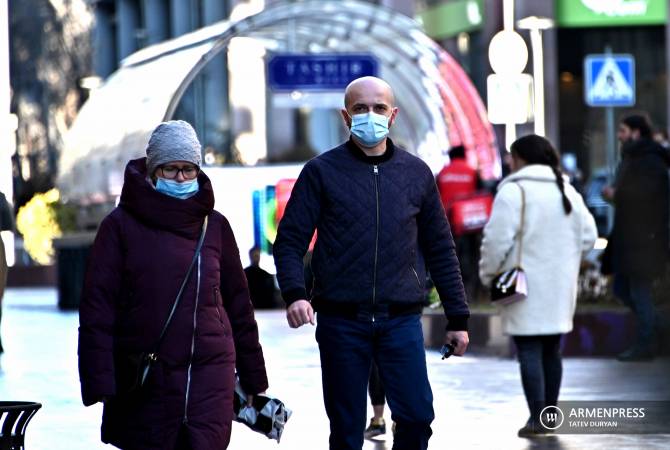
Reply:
x=478, y=400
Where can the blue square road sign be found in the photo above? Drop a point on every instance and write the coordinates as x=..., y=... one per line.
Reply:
x=609, y=80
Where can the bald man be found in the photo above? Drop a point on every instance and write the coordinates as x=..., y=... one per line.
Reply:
x=380, y=226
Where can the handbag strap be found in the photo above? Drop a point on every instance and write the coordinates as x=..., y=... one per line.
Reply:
x=523, y=214
x=183, y=284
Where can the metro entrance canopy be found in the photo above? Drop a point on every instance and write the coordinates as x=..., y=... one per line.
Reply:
x=438, y=101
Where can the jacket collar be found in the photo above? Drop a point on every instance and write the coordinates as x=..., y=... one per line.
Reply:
x=357, y=152
x=643, y=147
x=534, y=172
x=182, y=217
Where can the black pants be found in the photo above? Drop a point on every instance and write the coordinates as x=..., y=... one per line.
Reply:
x=375, y=387
x=541, y=370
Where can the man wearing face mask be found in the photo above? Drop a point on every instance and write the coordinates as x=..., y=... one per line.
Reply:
x=380, y=226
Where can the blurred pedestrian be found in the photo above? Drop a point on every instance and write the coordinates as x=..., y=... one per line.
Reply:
x=557, y=230
x=467, y=209
x=637, y=249
x=377, y=425
x=6, y=224
x=261, y=283
x=379, y=220
x=138, y=268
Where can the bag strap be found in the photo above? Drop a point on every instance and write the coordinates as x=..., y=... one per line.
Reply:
x=183, y=284
x=523, y=214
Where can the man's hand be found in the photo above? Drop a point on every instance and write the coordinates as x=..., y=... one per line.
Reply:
x=299, y=313
x=460, y=340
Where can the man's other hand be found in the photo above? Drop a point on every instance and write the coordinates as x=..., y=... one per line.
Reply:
x=460, y=340
x=299, y=313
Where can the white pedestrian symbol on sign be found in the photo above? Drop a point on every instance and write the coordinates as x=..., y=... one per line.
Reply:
x=610, y=84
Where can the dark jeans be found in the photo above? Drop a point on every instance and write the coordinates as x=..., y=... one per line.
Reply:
x=636, y=293
x=541, y=370
x=376, y=387
x=347, y=348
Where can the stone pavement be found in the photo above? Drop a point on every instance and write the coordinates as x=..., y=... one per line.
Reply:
x=479, y=403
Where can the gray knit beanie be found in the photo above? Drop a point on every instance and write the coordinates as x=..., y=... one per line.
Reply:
x=174, y=140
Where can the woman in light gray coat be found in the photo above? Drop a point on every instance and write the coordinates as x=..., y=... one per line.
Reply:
x=557, y=230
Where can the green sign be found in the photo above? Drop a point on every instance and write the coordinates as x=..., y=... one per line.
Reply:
x=448, y=19
x=604, y=13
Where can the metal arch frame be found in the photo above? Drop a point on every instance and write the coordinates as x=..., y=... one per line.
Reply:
x=415, y=48
x=267, y=19
x=432, y=126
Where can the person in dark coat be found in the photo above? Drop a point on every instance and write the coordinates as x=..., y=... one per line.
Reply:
x=6, y=224
x=380, y=226
x=138, y=261
x=261, y=283
x=637, y=251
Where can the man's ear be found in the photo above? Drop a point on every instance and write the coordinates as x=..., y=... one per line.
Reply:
x=346, y=117
x=393, y=115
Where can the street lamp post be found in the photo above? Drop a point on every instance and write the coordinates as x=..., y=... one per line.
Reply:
x=535, y=25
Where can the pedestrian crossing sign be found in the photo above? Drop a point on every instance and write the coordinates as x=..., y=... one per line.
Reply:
x=609, y=80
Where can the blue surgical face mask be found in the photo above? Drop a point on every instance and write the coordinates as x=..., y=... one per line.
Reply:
x=176, y=189
x=370, y=128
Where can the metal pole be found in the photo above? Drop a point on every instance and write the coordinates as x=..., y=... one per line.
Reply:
x=611, y=142
x=538, y=74
x=611, y=132
x=508, y=14
x=508, y=24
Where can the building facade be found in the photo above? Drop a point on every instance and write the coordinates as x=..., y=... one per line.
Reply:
x=581, y=27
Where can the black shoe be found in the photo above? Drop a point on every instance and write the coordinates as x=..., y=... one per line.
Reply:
x=376, y=428
x=636, y=354
x=532, y=430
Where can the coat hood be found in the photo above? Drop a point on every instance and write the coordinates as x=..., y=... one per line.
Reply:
x=182, y=217
x=645, y=147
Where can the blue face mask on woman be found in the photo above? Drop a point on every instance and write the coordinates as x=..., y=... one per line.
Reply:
x=370, y=128
x=176, y=189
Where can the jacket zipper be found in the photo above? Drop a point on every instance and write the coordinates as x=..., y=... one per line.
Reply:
x=190, y=362
x=416, y=275
x=375, y=170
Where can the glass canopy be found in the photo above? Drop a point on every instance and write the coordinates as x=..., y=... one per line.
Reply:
x=440, y=106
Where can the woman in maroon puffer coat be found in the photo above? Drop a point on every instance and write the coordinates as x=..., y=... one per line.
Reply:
x=138, y=261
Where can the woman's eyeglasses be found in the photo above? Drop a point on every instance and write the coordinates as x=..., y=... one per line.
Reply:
x=171, y=172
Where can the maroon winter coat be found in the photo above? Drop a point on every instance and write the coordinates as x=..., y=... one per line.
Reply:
x=138, y=261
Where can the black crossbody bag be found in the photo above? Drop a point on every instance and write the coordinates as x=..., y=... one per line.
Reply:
x=131, y=370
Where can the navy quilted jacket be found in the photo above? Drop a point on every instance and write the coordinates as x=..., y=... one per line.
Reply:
x=380, y=224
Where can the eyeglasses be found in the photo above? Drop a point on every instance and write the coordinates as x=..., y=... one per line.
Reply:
x=171, y=172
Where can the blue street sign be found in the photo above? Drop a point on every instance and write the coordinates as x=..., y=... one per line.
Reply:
x=609, y=80
x=318, y=72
